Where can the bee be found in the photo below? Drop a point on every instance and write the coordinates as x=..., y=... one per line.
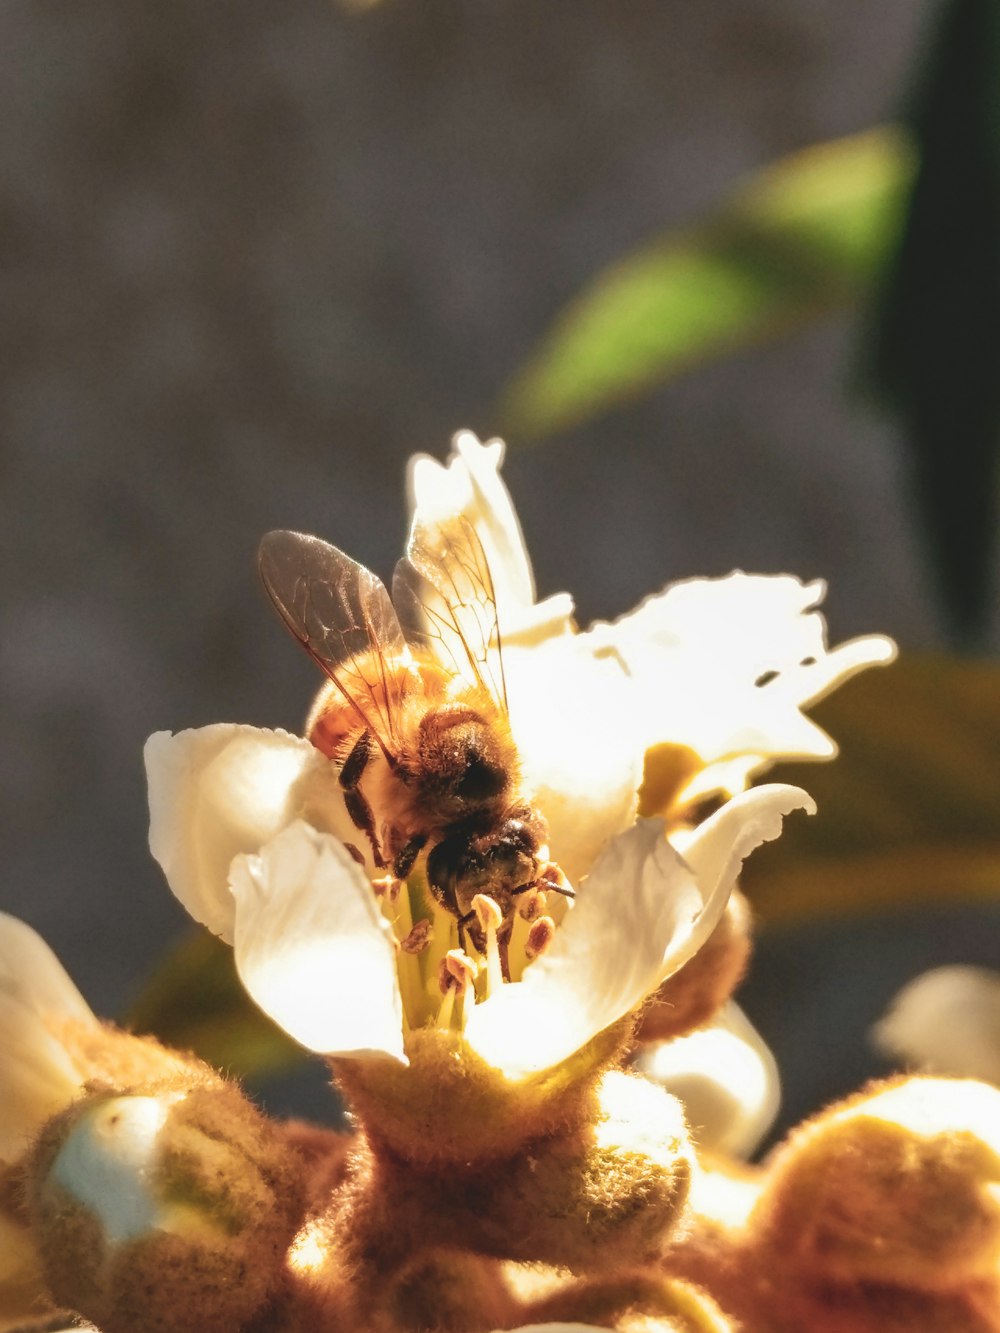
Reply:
x=414, y=713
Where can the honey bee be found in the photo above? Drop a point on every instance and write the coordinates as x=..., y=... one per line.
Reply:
x=415, y=711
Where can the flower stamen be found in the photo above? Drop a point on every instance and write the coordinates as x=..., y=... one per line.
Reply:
x=540, y=936
x=456, y=973
x=419, y=937
x=490, y=919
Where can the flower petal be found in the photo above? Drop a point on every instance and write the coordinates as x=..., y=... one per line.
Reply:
x=583, y=777
x=32, y=975
x=312, y=948
x=38, y=1076
x=725, y=665
x=217, y=792
x=469, y=484
x=946, y=1021
x=640, y=915
x=716, y=850
x=726, y=1078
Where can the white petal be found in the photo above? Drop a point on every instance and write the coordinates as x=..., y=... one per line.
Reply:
x=583, y=777
x=217, y=792
x=605, y=957
x=33, y=976
x=38, y=1076
x=717, y=849
x=725, y=1076
x=946, y=1021
x=726, y=665
x=312, y=948
x=639, y=916
x=469, y=484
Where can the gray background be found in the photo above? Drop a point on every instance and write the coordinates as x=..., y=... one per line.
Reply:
x=253, y=255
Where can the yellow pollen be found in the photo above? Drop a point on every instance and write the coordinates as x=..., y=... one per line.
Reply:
x=418, y=938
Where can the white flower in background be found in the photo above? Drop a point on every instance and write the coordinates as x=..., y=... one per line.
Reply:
x=250, y=825
x=725, y=1076
x=946, y=1021
x=39, y=1076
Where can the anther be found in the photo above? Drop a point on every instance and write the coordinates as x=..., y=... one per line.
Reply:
x=532, y=904
x=487, y=912
x=540, y=936
x=456, y=973
x=419, y=937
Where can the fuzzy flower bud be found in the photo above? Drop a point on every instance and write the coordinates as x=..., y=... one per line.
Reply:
x=897, y=1186
x=163, y=1211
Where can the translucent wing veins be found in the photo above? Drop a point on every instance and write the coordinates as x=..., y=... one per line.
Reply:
x=342, y=615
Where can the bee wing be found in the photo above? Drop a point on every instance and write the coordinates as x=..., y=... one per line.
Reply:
x=343, y=617
x=443, y=591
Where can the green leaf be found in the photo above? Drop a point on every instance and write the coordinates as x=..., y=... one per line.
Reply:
x=196, y=1002
x=909, y=812
x=805, y=236
x=939, y=325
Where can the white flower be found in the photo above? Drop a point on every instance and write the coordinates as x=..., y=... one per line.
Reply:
x=317, y=949
x=40, y=1075
x=946, y=1021
x=250, y=825
x=722, y=666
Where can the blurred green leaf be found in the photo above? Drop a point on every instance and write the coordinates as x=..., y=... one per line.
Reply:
x=909, y=812
x=805, y=236
x=936, y=355
x=196, y=1002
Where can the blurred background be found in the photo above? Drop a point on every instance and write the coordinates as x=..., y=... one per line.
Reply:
x=254, y=256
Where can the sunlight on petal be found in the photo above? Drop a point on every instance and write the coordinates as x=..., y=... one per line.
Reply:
x=469, y=484
x=725, y=665
x=726, y=1077
x=214, y=793
x=639, y=916
x=584, y=778
x=312, y=948
x=38, y=1076
x=31, y=974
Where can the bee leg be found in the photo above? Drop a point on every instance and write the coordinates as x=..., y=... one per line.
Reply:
x=463, y=921
x=402, y=862
x=355, y=800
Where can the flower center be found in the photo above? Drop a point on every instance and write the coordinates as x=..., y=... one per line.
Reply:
x=443, y=968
